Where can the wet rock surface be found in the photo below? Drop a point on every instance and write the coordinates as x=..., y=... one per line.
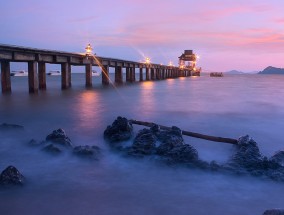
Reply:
x=11, y=176
x=278, y=157
x=59, y=137
x=274, y=212
x=248, y=159
x=120, y=130
x=10, y=127
x=87, y=151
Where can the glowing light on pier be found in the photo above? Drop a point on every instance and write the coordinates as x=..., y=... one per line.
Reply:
x=147, y=60
x=171, y=63
x=89, y=50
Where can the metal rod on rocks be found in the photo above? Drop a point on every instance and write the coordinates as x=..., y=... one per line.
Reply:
x=188, y=133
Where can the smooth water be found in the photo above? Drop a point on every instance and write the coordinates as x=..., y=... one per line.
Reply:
x=230, y=106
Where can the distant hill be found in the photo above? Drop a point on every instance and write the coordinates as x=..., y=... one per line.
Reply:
x=272, y=70
x=234, y=72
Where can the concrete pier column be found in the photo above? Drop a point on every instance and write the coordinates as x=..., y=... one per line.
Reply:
x=147, y=73
x=69, y=75
x=118, y=75
x=42, y=75
x=64, y=76
x=105, y=75
x=5, y=77
x=89, y=76
x=141, y=74
x=152, y=74
x=33, y=77
x=127, y=74
x=158, y=74
x=132, y=74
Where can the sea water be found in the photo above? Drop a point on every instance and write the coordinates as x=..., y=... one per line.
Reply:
x=230, y=106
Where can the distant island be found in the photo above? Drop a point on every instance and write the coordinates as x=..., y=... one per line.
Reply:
x=234, y=72
x=272, y=70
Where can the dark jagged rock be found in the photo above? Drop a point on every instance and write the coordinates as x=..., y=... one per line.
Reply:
x=144, y=143
x=278, y=157
x=274, y=212
x=248, y=159
x=51, y=148
x=182, y=154
x=168, y=145
x=11, y=176
x=34, y=142
x=120, y=130
x=247, y=154
x=7, y=127
x=59, y=137
x=169, y=140
x=87, y=151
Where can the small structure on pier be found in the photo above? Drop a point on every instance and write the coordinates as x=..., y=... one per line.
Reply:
x=188, y=61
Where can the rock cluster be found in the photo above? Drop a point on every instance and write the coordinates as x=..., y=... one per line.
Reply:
x=169, y=146
x=11, y=176
x=166, y=145
x=248, y=159
x=58, y=142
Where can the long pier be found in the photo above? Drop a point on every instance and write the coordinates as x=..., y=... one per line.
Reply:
x=38, y=58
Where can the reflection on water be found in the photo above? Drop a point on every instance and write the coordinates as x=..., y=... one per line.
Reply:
x=88, y=109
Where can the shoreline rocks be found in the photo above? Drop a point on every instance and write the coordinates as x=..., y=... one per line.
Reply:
x=10, y=127
x=120, y=130
x=11, y=176
x=274, y=212
x=168, y=146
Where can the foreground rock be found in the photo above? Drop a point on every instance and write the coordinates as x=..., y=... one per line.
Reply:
x=248, y=159
x=11, y=176
x=274, y=212
x=278, y=157
x=120, y=130
x=92, y=152
x=59, y=137
x=8, y=127
x=168, y=145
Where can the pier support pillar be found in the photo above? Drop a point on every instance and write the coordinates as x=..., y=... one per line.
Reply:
x=158, y=74
x=33, y=77
x=140, y=74
x=5, y=77
x=132, y=74
x=128, y=74
x=64, y=76
x=118, y=75
x=88, y=71
x=105, y=75
x=42, y=75
x=147, y=73
x=69, y=75
x=152, y=74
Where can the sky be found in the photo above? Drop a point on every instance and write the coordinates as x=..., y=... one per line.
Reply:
x=246, y=35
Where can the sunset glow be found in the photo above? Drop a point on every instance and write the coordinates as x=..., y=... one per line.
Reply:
x=242, y=35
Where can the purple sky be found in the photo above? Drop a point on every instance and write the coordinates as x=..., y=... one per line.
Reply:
x=246, y=35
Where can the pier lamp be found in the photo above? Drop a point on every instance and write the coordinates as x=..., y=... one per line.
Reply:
x=147, y=60
x=89, y=50
x=171, y=63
